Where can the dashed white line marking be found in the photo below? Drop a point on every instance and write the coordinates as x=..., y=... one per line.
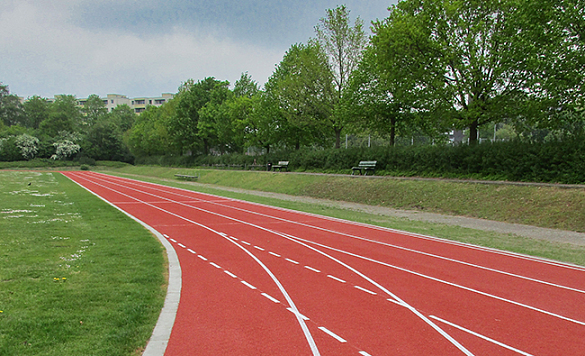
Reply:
x=222, y=234
x=183, y=246
x=259, y=248
x=193, y=252
x=365, y=290
x=291, y=261
x=165, y=235
x=233, y=238
x=245, y=243
x=332, y=334
x=248, y=285
x=312, y=269
x=215, y=265
x=335, y=278
x=299, y=314
x=230, y=274
x=271, y=298
x=274, y=254
x=363, y=353
x=201, y=257
x=173, y=240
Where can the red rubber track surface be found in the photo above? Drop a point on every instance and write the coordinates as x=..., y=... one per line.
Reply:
x=259, y=280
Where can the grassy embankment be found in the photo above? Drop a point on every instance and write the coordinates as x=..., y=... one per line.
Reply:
x=77, y=277
x=551, y=207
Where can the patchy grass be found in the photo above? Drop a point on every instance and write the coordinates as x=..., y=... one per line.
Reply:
x=77, y=277
x=551, y=250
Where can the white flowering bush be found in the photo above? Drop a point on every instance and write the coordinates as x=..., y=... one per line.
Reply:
x=28, y=145
x=65, y=149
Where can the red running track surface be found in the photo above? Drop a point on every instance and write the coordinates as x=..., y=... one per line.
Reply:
x=259, y=280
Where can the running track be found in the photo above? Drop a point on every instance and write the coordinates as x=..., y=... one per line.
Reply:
x=258, y=280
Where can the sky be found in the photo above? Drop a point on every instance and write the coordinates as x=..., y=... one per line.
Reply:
x=148, y=47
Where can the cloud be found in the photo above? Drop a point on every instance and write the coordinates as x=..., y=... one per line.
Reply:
x=45, y=52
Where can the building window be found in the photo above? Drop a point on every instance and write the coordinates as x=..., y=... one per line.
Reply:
x=138, y=110
x=150, y=102
x=140, y=102
x=159, y=101
x=112, y=101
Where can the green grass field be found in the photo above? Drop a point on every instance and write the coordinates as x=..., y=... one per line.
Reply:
x=77, y=277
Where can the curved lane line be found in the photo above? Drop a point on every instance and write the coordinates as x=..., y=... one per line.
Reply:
x=293, y=307
x=288, y=237
x=157, y=344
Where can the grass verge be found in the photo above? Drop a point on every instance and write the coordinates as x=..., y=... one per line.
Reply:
x=77, y=277
x=551, y=250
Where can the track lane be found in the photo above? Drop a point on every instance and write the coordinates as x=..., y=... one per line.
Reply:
x=227, y=201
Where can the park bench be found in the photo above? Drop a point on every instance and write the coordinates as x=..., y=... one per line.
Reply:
x=364, y=166
x=281, y=165
x=187, y=176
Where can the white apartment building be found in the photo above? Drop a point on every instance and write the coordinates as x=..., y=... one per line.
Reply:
x=136, y=104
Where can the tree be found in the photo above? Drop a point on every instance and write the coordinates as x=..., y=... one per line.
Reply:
x=149, y=136
x=301, y=92
x=343, y=45
x=191, y=98
x=123, y=116
x=93, y=109
x=28, y=146
x=36, y=110
x=11, y=112
x=65, y=116
x=471, y=62
x=214, y=128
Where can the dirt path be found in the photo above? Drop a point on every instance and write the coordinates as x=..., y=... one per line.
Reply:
x=553, y=235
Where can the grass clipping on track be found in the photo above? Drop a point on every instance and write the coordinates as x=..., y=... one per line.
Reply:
x=493, y=202
x=77, y=277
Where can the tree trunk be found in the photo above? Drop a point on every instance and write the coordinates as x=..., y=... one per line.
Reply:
x=337, y=138
x=392, y=131
x=473, y=133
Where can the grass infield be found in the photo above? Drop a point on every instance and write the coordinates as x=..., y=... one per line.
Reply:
x=77, y=277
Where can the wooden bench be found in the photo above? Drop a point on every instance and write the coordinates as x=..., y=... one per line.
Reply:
x=187, y=176
x=364, y=166
x=281, y=165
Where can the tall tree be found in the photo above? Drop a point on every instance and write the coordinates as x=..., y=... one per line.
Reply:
x=468, y=61
x=301, y=91
x=93, y=109
x=343, y=45
x=36, y=110
x=11, y=111
x=65, y=116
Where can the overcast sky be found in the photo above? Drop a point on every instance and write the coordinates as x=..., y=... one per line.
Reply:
x=147, y=47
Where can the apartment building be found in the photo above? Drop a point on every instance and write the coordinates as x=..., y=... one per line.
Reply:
x=137, y=104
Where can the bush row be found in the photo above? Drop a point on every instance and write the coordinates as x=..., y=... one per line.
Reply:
x=555, y=161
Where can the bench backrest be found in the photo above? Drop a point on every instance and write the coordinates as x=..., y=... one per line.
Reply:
x=283, y=163
x=368, y=163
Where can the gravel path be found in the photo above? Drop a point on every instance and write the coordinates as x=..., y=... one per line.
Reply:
x=553, y=235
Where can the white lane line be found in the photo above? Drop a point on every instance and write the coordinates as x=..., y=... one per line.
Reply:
x=233, y=238
x=222, y=234
x=395, y=302
x=335, y=278
x=173, y=240
x=165, y=235
x=363, y=353
x=312, y=269
x=183, y=246
x=302, y=324
x=245, y=243
x=201, y=257
x=215, y=265
x=481, y=336
x=332, y=334
x=291, y=261
x=459, y=286
x=230, y=274
x=271, y=298
x=274, y=254
x=258, y=248
x=298, y=314
x=248, y=285
x=193, y=252
x=365, y=290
